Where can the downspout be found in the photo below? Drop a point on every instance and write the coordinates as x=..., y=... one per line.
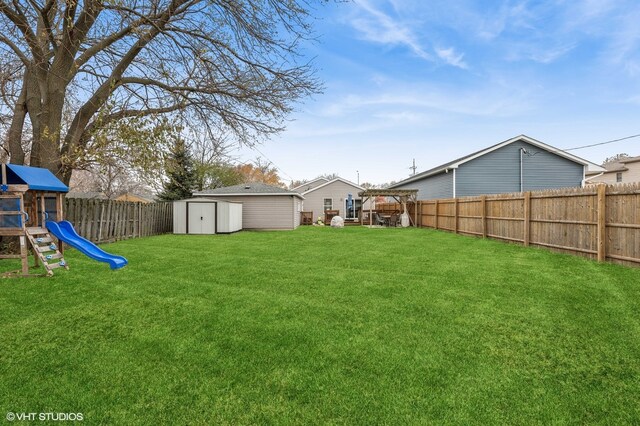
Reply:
x=522, y=151
x=587, y=179
x=454, y=183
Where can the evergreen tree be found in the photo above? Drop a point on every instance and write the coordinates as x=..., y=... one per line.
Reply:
x=181, y=174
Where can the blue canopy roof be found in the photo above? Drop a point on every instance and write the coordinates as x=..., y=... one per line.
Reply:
x=37, y=178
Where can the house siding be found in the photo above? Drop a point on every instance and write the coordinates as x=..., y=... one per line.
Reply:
x=628, y=176
x=432, y=187
x=499, y=171
x=337, y=191
x=265, y=211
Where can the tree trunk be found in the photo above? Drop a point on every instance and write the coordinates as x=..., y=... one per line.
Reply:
x=14, y=135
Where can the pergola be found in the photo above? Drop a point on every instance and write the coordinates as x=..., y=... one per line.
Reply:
x=402, y=196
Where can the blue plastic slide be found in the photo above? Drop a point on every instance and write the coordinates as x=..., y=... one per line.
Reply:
x=64, y=232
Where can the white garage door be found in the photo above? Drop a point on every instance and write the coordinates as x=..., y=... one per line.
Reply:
x=202, y=218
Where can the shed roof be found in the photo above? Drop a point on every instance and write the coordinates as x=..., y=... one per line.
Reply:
x=205, y=200
x=36, y=178
x=459, y=161
x=251, y=189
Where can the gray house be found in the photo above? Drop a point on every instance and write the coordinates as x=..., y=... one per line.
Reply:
x=515, y=165
x=263, y=206
x=337, y=194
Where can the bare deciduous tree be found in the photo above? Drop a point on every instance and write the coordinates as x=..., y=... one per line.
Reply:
x=231, y=65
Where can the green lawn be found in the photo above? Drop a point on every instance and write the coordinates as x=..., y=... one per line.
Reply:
x=325, y=326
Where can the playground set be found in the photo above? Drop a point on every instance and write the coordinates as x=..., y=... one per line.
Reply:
x=31, y=200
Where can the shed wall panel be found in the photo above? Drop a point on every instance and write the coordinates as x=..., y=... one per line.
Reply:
x=179, y=217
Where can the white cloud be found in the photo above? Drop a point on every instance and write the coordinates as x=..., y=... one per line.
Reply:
x=379, y=27
x=497, y=99
x=451, y=57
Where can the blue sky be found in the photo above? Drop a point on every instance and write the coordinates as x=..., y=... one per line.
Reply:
x=435, y=80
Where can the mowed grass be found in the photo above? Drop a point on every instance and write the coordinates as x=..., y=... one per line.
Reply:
x=325, y=326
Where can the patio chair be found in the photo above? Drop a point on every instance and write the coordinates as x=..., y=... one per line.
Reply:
x=379, y=219
x=394, y=219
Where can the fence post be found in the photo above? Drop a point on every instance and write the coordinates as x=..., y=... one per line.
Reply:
x=455, y=216
x=101, y=222
x=484, y=216
x=527, y=218
x=602, y=223
x=436, y=220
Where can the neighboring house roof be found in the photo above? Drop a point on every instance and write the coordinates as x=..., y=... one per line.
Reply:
x=309, y=183
x=253, y=188
x=338, y=179
x=36, y=178
x=617, y=166
x=89, y=195
x=459, y=161
x=137, y=198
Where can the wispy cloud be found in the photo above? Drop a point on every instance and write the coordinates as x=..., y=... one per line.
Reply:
x=376, y=26
x=493, y=101
x=451, y=57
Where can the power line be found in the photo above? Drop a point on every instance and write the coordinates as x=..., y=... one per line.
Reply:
x=274, y=164
x=603, y=143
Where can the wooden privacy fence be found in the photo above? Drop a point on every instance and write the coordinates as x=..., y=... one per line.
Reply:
x=600, y=221
x=108, y=220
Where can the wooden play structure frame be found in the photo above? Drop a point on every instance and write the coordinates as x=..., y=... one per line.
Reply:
x=31, y=230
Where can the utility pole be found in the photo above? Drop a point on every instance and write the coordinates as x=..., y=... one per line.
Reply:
x=413, y=168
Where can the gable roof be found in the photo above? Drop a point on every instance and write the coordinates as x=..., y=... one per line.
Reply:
x=251, y=188
x=459, y=161
x=616, y=166
x=87, y=195
x=629, y=160
x=338, y=179
x=309, y=183
x=36, y=178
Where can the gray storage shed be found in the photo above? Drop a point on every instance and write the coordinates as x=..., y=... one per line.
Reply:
x=206, y=216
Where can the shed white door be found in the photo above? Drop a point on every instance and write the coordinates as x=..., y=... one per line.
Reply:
x=202, y=218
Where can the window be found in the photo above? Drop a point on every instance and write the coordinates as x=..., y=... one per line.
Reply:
x=619, y=177
x=328, y=204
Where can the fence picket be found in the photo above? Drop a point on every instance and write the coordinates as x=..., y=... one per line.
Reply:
x=599, y=222
x=108, y=220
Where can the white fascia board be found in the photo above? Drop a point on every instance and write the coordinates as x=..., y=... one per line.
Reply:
x=332, y=181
